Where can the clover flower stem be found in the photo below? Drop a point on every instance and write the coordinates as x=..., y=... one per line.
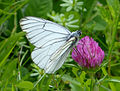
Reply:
x=92, y=81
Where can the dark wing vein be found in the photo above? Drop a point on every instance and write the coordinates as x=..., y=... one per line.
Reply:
x=46, y=21
x=64, y=38
x=63, y=55
x=54, y=60
x=55, y=41
x=37, y=29
x=45, y=47
x=32, y=26
x=29, y=23
x=41, y=38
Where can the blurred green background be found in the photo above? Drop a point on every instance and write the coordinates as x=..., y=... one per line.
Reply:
x=98, y=19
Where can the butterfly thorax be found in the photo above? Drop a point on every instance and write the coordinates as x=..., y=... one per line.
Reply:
x=74, y=37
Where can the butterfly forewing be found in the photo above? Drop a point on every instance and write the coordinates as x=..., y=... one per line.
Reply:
x=40, y=31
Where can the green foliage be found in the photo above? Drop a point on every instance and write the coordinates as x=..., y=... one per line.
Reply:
x=69, y=20
x=38, y=8
x=72, y=4
x=9, y=71
x=7, y=46
x=25, y=84
x=99, y=19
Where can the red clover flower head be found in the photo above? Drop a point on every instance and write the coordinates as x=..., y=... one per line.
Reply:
x=88, y=54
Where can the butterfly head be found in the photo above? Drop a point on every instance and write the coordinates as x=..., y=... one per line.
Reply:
x=79, y=32
x=76, y=34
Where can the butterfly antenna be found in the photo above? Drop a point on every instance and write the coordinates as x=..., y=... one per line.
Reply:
x=39, y=79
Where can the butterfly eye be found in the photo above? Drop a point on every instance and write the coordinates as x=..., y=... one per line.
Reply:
x=79, y=32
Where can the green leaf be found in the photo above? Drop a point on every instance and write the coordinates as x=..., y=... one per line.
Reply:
x=7, y=46
x=75, y=87
x=90, y=7
x=25, y=84
x=75, y=71
x=70, y=79
x=114, y=7
x=104, y=87
x=112, y=86
x=82, y=76
x=98, y=22
x=45, y=82
x=38, y=8
x=117, y=86
x=9, y=69
x=12, y=8
x=113, y=80
x=105, y=14
x=87, y=84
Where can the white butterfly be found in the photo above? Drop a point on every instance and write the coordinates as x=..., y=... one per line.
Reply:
x=52, y=42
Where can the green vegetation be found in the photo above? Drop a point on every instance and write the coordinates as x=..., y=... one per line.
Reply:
x=99, y=19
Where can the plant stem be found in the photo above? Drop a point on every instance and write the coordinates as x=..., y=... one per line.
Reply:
x=92, y=81
x=89, y=12
x=114, y=25
x=39, y=80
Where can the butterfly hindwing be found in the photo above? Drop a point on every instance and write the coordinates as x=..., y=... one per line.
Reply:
x=42, y=55
x=57, y=59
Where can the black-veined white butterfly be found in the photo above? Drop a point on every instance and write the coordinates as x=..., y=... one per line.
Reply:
x=52, y=42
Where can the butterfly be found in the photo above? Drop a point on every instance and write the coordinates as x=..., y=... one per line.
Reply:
x=52, y=42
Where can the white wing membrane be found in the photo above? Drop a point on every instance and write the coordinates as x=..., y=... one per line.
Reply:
x=49, y=40
x=58, y=57
x=42, y=55
x=30, y=23
x=40, y=31
x=46, y=38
